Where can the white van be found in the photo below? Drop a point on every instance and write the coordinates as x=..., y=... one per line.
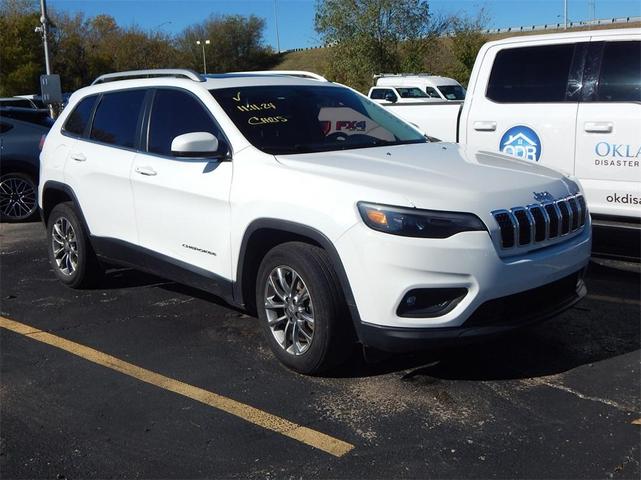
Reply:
x=435, y=87
x=570, y=101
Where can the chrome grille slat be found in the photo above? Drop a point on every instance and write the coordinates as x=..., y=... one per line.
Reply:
x=541, y=222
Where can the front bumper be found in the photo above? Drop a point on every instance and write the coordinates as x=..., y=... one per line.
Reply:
x=383, y=268
x=492, y=318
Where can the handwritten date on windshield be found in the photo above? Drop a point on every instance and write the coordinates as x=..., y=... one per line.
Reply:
x=253, y=107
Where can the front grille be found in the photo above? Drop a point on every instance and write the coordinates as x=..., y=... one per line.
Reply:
x=532, y=224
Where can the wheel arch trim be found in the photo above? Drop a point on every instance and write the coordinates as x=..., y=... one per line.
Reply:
x=300, y=230
x=52, y=185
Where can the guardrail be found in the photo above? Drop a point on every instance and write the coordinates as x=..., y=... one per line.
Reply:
x=524, y=28
x=557, y=26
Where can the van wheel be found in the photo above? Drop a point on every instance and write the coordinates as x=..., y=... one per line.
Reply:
x=70, y=254
x=301, y=308
x=18, y=197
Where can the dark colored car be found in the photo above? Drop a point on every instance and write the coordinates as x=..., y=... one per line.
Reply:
x=21, y=132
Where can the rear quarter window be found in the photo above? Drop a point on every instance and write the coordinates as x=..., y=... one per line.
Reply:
x=117, y=116
x=531, y=74
x=79, y=118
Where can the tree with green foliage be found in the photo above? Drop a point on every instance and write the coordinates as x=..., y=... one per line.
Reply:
x=373, y=36
x=236, y=44
x=21, y=54
x=467, y=38
x=83, y=48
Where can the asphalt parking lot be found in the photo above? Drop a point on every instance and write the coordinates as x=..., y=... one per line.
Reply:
x=147, y=378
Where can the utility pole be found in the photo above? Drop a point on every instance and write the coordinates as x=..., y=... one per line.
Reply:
x=276, y=20
x=565, y=14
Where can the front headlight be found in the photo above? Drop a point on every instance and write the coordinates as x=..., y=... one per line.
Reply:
x=412, y=222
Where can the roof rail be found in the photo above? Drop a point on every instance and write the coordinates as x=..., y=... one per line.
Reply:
x=289, y=73
x=382, y=75
x=161, y=72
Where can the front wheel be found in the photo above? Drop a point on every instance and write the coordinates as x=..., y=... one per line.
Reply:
x=70, y=253
x=302, y=309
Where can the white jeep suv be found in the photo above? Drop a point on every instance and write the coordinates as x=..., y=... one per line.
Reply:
x=310, y=206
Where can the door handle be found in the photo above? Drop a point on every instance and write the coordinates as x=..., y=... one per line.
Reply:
x=484, y=126
x=148, y=171
x=598, y=127
x=78, y=157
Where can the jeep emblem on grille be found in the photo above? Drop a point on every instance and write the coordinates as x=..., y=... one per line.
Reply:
x=543, y=196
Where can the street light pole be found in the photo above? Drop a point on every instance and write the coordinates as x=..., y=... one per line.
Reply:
x=43, y=30
x=276, y=20
x=202, y=44
x=565, y=14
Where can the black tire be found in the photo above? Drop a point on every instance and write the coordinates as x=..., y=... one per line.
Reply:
x=333, y=338
x=18, y=197
x=87, y=271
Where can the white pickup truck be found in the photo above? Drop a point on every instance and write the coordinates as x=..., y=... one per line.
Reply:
x=571, y=101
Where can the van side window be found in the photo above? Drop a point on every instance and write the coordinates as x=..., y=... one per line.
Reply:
x=175, y=113
x=381, y=93
x=77, y=121
x=531, y=74
x=411, y=92
x=620, y=78
x=116, y=118
x=431, y=92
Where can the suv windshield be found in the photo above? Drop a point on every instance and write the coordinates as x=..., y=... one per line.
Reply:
x=452, y=92
x=305, y=119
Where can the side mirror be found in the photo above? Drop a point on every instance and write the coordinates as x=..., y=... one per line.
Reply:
x=197, y=144
x=390, y=97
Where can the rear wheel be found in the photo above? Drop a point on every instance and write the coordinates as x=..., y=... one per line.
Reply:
x=18, y=197
x=70, y=254
x=302, y=309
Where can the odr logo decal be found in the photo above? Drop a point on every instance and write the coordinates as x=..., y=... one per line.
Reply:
x=521, y=141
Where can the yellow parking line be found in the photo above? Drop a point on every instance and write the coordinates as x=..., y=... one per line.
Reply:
x=605, y=298
x=310, y=437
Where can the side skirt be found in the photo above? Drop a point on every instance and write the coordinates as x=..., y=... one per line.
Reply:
x=122, y=253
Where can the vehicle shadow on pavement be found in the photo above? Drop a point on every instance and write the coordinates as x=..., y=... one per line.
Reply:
x=119, y=278
x=126, y=278
x=593, y=331
x=590, y=332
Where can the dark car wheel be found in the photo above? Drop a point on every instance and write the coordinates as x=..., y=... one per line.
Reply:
x=18, y=197
x=302, y=309
x=70, y=254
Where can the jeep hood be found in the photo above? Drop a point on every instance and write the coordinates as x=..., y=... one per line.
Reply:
x=441, y=176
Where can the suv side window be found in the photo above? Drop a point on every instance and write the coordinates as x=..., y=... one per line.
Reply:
x=620, y=78
x=116, y=118
x=431, y=92
x=531, y=74
x=79, y=118
x=174, y=113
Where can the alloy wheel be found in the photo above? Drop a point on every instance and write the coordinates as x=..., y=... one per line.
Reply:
x=65, y=246
x=17, y=197
x=289, y=309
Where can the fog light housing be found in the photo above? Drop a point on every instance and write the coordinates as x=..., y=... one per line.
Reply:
x=430, y=302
